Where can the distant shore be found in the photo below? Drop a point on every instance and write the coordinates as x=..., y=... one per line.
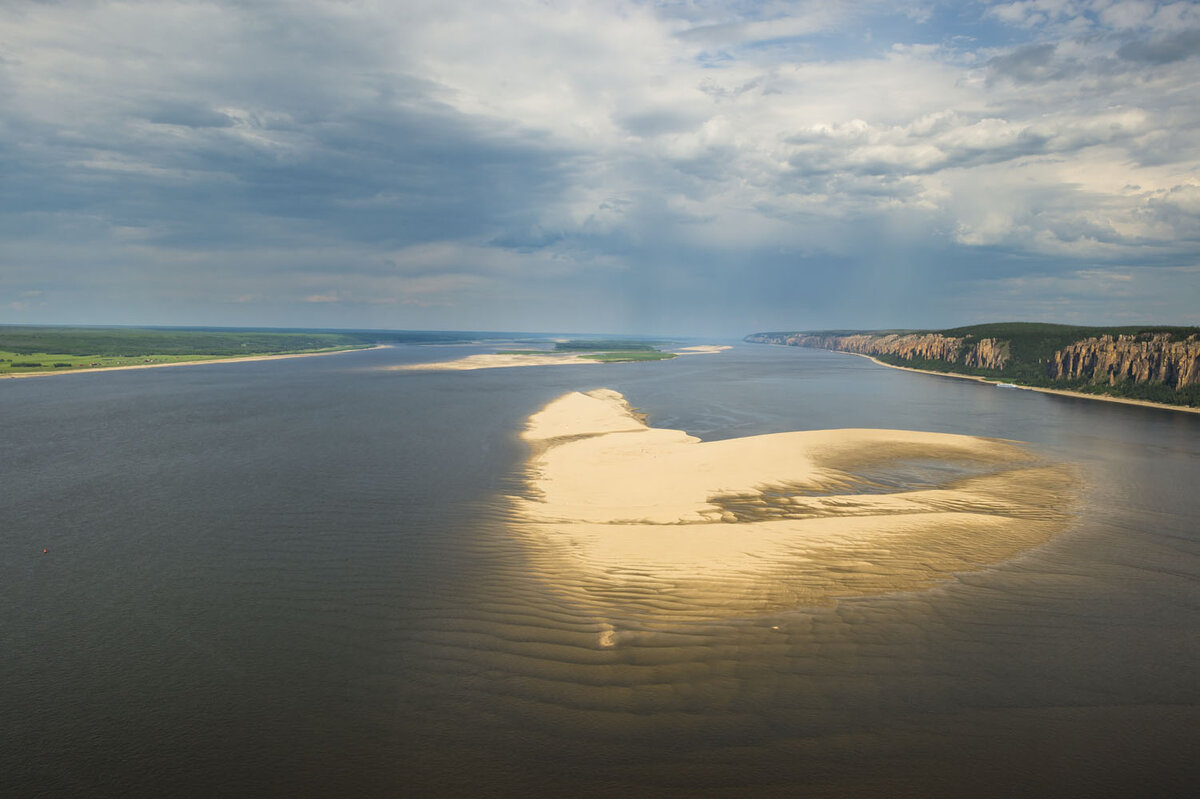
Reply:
x=494, y=360
x=215, y=359
x=501, y=360
x=1060, y=391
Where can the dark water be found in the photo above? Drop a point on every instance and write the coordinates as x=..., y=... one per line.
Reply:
x=295, y=578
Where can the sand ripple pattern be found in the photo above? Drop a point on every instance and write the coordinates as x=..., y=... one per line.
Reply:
x=653, y=525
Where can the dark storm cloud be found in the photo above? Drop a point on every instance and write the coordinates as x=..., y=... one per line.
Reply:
x=1163, y=50
x=190, y=116
x=367, y=174
x=525, y=163
x=657, y=122
x=1034, y=63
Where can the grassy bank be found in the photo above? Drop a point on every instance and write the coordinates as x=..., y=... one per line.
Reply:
x=604, y=350
x=25, y=350
x=629, y=356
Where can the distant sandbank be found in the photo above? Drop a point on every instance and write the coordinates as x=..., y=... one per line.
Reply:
x=496, y=360
x=620, y=509
x=236, y=359
x=703, y=349
x=501, y=360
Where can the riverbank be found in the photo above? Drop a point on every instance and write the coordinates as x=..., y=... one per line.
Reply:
x=1039, y=389
x=217, y=359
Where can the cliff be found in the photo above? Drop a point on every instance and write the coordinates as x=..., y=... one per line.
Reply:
x=984, y=354
x=1158, y=364
x=1146, y=358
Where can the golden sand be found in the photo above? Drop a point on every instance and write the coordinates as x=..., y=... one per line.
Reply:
x=659, y=523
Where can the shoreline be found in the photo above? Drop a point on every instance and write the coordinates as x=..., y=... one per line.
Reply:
x=995, y=381
x=234, y=359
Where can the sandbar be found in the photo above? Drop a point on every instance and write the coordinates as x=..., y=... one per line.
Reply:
x=496, y=360
x=499, y=360
x=703, y=349
x=656, y=523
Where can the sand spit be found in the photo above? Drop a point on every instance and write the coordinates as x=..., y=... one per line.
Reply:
x=656, y=523
x=237, y=359
x=495, y=360
x=703, y=349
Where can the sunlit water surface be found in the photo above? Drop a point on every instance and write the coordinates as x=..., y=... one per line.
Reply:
x=301, y=578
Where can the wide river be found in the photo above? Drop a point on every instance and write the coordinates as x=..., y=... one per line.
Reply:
x=300, y=578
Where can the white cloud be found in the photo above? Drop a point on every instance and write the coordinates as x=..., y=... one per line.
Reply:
x=432, y=151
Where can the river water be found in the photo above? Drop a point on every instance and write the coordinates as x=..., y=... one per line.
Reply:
x=298, y=578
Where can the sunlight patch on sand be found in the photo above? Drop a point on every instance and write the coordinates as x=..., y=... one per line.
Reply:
x=660, y=524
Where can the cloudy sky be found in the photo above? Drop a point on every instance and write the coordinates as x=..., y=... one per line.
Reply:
x=708, y=167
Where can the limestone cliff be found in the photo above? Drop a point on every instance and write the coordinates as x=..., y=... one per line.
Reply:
x=1161, y=364
x=1144, y=358
x=989, y=353
x=983, y=354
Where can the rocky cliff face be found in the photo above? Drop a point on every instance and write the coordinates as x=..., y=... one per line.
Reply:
x=1151, y=357
x=988, y=353
x=1145, y=358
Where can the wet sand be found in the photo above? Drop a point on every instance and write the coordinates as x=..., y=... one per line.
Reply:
x=239, y=359
x=765, y=523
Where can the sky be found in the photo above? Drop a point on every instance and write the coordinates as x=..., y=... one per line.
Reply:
x=684, y=167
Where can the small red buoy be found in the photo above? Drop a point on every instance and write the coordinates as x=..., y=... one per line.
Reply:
x=43, y=552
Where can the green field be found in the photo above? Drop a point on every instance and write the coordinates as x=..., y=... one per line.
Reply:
x=35, y=349
x=629, y=356
x=62, y=349
x=608, y=345
x=604, y=350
